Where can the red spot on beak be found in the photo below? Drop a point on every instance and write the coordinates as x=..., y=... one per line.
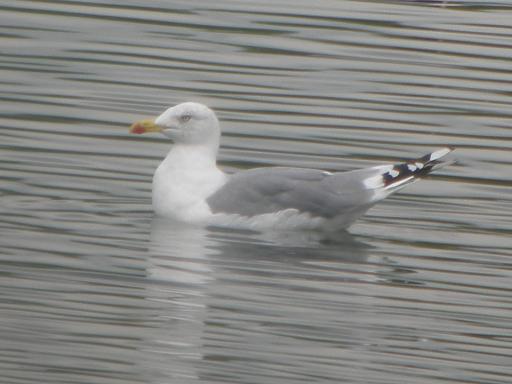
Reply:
x=138, y=129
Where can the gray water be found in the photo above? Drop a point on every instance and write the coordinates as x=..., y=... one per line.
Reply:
x=93, y=289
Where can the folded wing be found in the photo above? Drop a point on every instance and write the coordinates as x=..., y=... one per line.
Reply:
x=319, y=193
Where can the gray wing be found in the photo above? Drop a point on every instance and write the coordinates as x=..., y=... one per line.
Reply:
x=322, y=194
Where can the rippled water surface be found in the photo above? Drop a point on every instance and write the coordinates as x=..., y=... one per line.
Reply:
x=93, y=289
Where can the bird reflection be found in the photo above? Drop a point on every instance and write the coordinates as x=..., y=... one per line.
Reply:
x=192, y=269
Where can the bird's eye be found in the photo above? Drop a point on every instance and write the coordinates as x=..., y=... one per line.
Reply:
x=185, y=118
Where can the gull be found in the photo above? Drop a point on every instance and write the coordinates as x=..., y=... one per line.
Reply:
x=188, y=185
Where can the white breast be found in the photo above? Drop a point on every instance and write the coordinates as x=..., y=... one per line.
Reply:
x=183, y=182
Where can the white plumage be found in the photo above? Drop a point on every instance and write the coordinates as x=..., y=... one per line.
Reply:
x=188, y=186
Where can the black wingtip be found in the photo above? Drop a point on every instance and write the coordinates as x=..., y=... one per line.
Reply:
x=402, y=173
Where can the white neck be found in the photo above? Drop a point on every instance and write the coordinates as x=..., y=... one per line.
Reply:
x=185, y=179
x=191, y=156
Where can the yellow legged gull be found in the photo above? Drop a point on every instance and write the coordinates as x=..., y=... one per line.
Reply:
x=188, y=186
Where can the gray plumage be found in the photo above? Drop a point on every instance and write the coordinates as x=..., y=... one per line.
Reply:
x=266, y=190
x=188, y=185
x=319, y=193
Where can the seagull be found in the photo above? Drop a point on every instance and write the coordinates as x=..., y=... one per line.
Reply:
x=189, y=187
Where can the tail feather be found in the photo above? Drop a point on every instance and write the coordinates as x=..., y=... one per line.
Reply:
x=405, y=173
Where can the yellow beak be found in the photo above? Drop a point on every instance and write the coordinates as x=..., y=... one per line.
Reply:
x=143, y=126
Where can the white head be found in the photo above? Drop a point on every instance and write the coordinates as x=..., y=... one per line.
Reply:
x=187, y=123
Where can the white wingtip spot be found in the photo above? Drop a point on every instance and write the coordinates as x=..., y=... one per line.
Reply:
x=440, y=153
x=377, y=181
x=374, y=182
x=394, y=173
x=411, y=167
x=419, y=165
x=401, y=183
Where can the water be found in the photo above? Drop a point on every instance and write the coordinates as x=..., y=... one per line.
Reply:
x=94, y=290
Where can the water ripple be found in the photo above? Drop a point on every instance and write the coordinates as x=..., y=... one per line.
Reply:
x=93, y=288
